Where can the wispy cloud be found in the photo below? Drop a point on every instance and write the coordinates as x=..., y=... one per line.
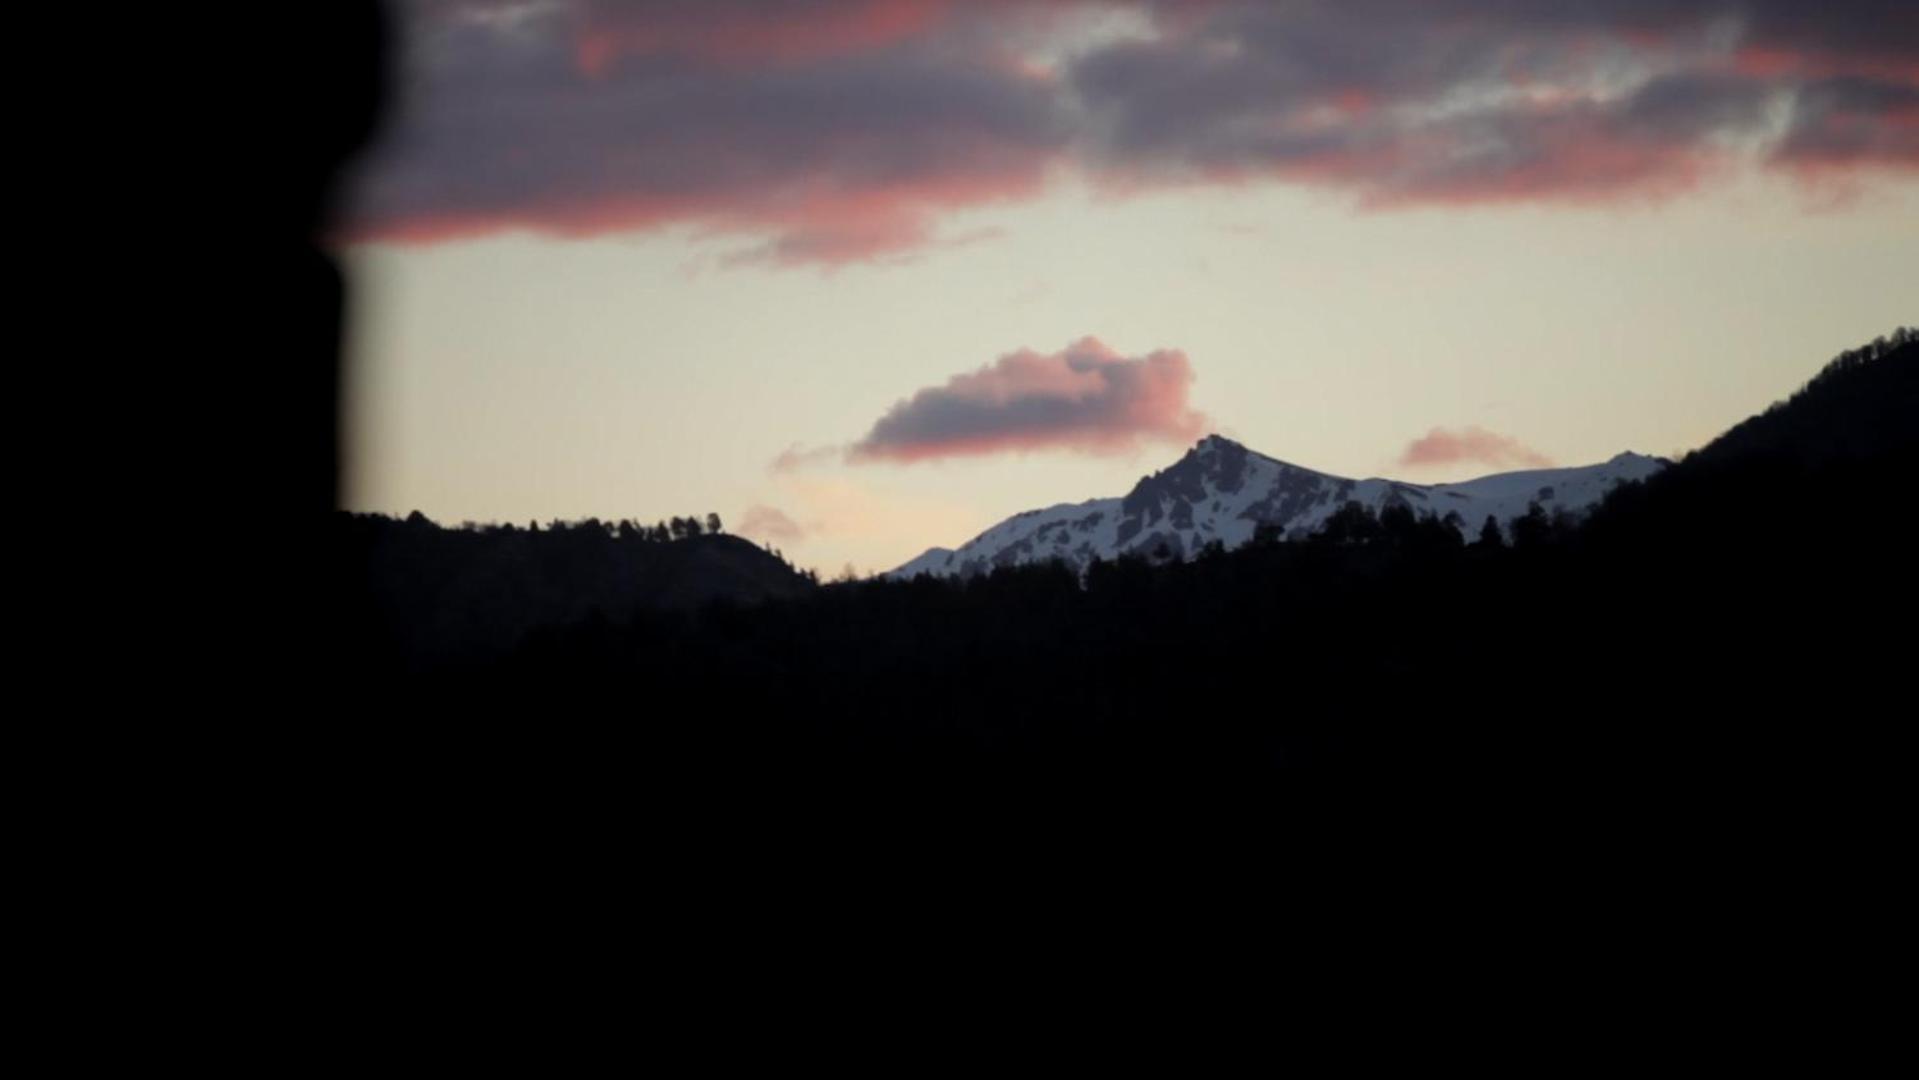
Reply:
x=797, y=457
x=770, y=524
x=1474, y=445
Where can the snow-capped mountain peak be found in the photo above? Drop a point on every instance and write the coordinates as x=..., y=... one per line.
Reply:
x=1222, y=491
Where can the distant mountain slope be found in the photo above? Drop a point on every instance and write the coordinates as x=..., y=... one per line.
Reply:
x=1222, y=491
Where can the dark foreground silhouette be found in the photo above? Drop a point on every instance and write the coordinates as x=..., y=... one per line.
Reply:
x=1733, y=632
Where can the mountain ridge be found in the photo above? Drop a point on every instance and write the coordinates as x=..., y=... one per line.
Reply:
x=1221, y=490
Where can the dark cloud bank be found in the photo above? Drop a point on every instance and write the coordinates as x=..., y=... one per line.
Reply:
x=833, y=131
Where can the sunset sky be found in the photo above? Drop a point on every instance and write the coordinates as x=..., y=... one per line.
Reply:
x=866, y=276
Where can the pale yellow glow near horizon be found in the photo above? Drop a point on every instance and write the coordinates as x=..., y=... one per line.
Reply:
x=522, y=377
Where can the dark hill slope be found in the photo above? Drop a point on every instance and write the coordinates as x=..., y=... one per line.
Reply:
x=1839, y=451
x=422, y=593
x=1860, y=406
x=1763, y=585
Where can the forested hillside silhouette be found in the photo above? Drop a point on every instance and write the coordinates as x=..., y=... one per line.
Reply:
x=1728, y=625
x=419, y=595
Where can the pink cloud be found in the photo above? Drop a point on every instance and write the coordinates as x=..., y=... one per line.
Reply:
x=1843, y=125
x=796, y=457
x=1086, y=398
x=770, y=524
x=1472, y=445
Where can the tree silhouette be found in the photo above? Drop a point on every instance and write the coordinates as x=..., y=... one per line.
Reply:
x=1489, y=535
x=1534, y=529
x=1351, y=524
x=1397, y=525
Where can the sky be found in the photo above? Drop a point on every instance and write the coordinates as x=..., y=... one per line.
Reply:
x=868, y=276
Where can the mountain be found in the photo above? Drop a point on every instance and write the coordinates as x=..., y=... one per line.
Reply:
x=1222, y=491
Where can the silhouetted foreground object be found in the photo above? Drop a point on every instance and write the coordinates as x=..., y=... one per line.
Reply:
x=246, y=417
